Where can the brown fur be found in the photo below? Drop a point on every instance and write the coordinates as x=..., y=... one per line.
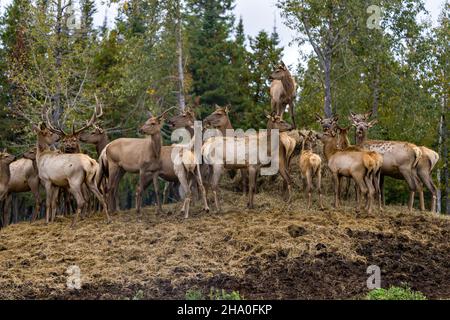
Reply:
x=283, y=91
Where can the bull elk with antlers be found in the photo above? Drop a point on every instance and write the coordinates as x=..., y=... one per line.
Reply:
x=60, y=170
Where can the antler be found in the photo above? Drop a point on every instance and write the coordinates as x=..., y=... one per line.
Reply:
x=48, y=123
x=165, y=112
x=98, y=112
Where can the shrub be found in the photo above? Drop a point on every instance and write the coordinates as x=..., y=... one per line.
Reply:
x=395, y=293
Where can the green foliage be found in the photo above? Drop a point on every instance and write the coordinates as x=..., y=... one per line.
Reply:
x=395, y=293
x=214, y=294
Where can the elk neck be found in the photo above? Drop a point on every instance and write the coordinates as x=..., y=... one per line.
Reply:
x=5, y=173
x=100, y=145
x=288, y=84
x=330, y=147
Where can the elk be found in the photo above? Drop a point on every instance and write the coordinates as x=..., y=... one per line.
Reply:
x=185, y=166
x=282, y=91
x=25, y=178
x=403, y=160
x=70, y=142
x=136, y=155
x=215, y=143
x=354, y=164
x=5, y=175
x=375, y=172
x=71, y=171
x=311, y=166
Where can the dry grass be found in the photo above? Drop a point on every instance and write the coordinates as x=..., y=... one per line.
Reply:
x=129, y=253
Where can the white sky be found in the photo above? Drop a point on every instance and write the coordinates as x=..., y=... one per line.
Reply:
x=257, y=15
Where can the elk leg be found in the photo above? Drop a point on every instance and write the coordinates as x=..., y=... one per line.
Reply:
x=244, y=176
x=319, y=187
x=37, y=199
x=217, y=173
x=287, y=178
x=54, y=201
x=409, y=177
x=7, y=210
x=382, y=195
x=76, y=191
x=166, y=192
x=359, y=180
x=48, y=200
x=156, y=187
x=116, y=175
x=181, y=174
x=291, y=111
x=419, y=189
x=336, y=181
x=309, y=185
x=428, y=182
x=252, y=183
x=198, y=178
x=94, y=189
x=371, y=192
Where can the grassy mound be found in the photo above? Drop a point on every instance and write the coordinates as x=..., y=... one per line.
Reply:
x=278, y=250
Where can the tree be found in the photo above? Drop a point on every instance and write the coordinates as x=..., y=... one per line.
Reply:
x=326, y=25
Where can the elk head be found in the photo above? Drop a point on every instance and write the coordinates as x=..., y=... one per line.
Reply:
x=218, y=119
x=183, y=120
x=30, y=154
x=329, y=124
x=70, y=141
x=6, y=158
x=153, y=125
x=309, y=140
x=94, y=136
x=342, y=140
x=355, y=118
x=45, y=137
x=280, y=72
x=276, y=122
x=362, y=127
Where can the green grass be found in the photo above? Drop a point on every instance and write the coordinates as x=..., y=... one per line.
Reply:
x=395, y=293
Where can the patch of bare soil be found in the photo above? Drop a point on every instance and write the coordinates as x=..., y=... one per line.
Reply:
x=276, y=251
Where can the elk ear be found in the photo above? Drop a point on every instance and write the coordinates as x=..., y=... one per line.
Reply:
x=335, y=118
x=352, y=114
x=283, y=65
x=368, y=114
x=227, y=109
x=318, y=118
x=372, y=123
x=217, y=107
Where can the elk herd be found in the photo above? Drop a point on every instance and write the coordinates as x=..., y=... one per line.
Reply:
x=68, y=172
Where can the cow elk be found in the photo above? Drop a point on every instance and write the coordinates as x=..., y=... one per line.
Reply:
x=283, y=91
x=354, y=164
x=374, y=165
x=25, y=178
x=400, y=159
x=134, y=155
x=186, y=169
x=311, y=167
x=5, y=175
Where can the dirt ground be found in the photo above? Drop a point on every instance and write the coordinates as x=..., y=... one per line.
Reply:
x=277, y=251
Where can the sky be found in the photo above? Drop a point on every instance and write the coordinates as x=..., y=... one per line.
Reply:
x=258, y=15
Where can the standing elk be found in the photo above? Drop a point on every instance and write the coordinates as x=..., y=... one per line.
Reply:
x=5, y=175
x=135, y=155
x=212, y=145
x=187, y=170
x=354, y=164
x=59, y=170
x=400, y=159
x=311, y=166
x=283, y=91
x=375, y=174
x=70, y=144
x=25, y=178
